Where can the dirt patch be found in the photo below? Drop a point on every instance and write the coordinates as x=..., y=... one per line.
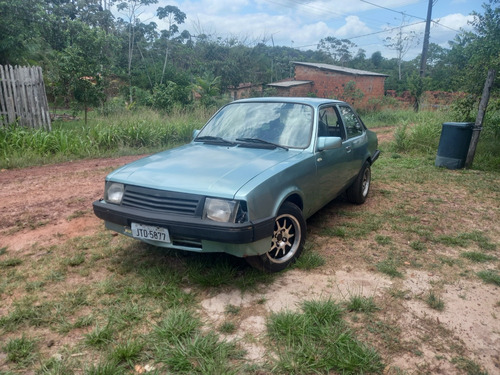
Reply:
x=294, y=287
x=50, y=204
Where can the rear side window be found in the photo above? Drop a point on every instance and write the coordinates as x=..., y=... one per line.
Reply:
x=352, y=124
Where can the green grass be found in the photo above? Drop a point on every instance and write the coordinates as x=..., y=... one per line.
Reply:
x=309, y=260
x=383, y=240
x=28, y=312
x=12, y=262
x=358, y=303
x=478, y=257
x=389, y=266
x=490, y=277
x=75, y=260
x=125, y=132
x=100, y=336
x=468, y=366
x=465, y=238
x=141, y=131
x=227, y=328
x=435, y=302
x=21, y=351
x=317, y=339
x=127, y=351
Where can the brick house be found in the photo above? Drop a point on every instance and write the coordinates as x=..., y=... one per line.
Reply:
x=244, y=90
x=331, y=81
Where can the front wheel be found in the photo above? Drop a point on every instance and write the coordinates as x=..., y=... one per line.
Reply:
x=287, y=242
x=358, y=191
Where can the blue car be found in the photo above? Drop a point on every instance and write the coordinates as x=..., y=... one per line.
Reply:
x=247, y=182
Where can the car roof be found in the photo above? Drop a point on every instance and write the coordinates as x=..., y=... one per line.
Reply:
x=298, y=100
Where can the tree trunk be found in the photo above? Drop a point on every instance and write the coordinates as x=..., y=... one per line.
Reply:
x=164, y=64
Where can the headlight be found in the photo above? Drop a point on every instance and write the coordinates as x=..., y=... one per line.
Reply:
x=221, y=210
x=114, y=192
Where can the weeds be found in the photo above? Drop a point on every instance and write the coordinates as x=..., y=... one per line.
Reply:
x=389, y=266
x=361, y=304
x=227, y=328
x=469, y=366
x=20, y=351
x=100, y=336
x=127, y=351
x=126, y=132
x=318, y=339
x=478, y=257
x=12, y=262
x=490, y=277
x=309, y=260
x=434, y=301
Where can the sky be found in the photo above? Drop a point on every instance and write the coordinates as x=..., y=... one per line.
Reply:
x=302, y=24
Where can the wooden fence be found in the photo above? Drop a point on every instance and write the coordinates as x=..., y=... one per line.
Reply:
x=23, y=98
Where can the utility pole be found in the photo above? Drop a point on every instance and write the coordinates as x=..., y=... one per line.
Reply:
x=425, y=47
x=480, y=117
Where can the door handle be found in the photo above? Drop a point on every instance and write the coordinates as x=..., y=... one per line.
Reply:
x=348, y=149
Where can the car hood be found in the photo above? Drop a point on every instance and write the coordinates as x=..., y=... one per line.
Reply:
x=201, y=168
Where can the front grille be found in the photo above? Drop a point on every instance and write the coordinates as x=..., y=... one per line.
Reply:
x=163, y=201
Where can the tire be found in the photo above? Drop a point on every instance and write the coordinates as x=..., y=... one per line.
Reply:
x=358, y=191
x=287, y=243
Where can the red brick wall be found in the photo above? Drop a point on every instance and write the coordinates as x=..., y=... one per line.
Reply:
x=330, y=84
x=301, y=90
x=429, y=99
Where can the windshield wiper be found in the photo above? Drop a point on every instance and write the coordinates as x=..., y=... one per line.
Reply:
x=261, y=142
x=212, y=139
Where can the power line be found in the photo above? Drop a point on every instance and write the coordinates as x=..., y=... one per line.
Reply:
x=392, y=10
x=370, y=34
x=409, y=15
x=386, y=30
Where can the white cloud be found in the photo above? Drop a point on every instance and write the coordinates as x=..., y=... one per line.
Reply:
x=353, y=27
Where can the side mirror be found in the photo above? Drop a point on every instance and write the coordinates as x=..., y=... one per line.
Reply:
x=195, y=133
x=328, y=143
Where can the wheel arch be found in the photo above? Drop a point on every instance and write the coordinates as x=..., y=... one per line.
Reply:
x=296, y=199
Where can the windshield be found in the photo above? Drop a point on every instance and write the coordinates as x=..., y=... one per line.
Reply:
x=284, y=124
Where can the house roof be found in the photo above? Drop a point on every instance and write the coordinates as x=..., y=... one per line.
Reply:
x=290, y=83
x=340, y=69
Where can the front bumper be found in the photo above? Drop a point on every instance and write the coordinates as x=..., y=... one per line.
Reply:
x=187, y=226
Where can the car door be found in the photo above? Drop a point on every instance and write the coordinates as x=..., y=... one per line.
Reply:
x=331, y=164
x=354, y=142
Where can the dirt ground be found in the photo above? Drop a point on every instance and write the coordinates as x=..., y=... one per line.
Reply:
x=37, y=202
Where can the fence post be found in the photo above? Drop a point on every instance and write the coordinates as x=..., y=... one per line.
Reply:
x=480, y=117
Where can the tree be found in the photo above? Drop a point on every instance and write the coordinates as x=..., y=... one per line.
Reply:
x=174, y=17
x=19, y=29
x=82, y=66
x=484, y=46
x=473, y=54
x=207, y=87
x=338, y=49
x=377, y=59
x=401, y=43
x=132, y=10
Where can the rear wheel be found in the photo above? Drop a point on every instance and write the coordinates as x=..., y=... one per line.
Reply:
x=287, y=242
x=358, y=191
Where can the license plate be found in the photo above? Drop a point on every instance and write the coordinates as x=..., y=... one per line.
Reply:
x=148, y=232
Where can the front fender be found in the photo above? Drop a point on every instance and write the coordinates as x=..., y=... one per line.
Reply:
x=265, y=195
